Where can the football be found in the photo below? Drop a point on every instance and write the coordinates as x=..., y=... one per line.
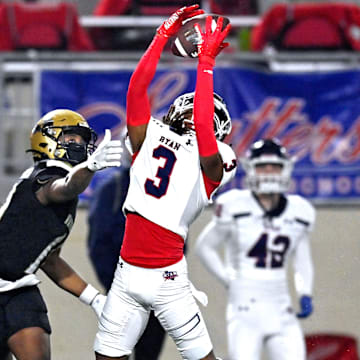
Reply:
x=187, y=38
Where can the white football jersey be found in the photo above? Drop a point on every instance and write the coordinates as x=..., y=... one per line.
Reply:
x=166, y=182
x=257, y=246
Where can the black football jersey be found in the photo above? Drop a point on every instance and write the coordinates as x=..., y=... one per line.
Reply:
x=29, y=230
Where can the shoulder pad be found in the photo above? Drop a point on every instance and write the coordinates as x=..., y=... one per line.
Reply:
x=43, y=173
x=56, y=164
x=239, y=198
x=232, y=202
x=305, y=210
x=228, y=196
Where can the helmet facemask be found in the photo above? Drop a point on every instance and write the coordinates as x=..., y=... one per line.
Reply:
x=222, y=119
x=71, y=151
x=180, y=116
x=270, y=153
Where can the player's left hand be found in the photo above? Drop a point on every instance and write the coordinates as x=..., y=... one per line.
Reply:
x=212, y=41
x=172, y=25
x=98, y=304
x=306, y=307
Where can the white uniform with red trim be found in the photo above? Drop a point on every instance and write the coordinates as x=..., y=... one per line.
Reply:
x=259, y=246
x=168, y=191
x=166, y=183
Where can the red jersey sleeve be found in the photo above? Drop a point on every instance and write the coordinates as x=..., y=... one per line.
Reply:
x=138, y=110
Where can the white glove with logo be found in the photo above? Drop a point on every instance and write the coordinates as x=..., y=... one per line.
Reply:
x=107, y=154
x=91, y=296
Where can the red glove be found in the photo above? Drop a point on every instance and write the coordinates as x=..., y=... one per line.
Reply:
x=212, y=42
x=171, y=26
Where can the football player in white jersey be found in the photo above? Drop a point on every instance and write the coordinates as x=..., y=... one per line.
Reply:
x=262, y=230
x=178, y=164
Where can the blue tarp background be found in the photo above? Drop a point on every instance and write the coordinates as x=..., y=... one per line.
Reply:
x=315, y=115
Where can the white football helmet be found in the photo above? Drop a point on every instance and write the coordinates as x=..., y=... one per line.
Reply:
x=184, y=104
x=267, y=151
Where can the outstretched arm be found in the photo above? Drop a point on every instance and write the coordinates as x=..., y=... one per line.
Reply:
x=210, y=47
x=138, y=105
x=66, y=188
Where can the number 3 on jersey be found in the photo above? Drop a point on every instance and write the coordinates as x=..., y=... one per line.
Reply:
x=264, y=255
x=163, y=172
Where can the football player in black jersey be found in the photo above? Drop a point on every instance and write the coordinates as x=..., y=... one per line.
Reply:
x=36, y=219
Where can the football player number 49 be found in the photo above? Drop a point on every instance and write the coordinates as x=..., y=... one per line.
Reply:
x=261, y=252
x=163, y=172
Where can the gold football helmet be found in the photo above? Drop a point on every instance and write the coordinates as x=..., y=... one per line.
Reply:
x=47, y=141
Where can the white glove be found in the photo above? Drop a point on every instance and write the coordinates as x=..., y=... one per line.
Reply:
x=98, y=304
x=200, y=296
x=91, y=296
x=107, y=154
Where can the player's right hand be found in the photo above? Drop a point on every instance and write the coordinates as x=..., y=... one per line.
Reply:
x=199, y=295
x=212, y=41
x=172, y=25
x=107, y=154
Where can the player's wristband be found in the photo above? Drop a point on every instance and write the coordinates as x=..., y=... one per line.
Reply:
x=88, y=294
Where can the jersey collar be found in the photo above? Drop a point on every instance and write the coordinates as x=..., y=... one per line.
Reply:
x=277, y=211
